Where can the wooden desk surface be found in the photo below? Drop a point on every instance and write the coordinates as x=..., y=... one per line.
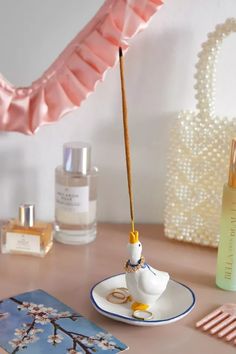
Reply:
x=69, y=272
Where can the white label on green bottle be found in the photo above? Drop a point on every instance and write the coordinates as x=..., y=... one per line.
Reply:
x=73, y=199
x=22, y=242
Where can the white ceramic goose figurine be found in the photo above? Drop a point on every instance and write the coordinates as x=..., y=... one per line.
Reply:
x=145, y=284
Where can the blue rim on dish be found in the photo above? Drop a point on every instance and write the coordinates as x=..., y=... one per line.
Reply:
x=136, y=320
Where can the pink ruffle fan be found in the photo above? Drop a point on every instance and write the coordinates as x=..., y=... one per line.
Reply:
x=74, y=74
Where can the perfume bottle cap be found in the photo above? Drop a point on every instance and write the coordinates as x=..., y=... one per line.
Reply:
x=77, y=157
x=26, y=215
x=232, y=165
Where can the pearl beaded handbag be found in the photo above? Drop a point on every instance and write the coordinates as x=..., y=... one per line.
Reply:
x=198, y=160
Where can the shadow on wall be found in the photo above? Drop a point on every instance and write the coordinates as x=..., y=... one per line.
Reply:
x=18, y=182
x=150, y=118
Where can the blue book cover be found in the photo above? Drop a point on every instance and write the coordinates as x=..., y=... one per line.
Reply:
x=37, y=323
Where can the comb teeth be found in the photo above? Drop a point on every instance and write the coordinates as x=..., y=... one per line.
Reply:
x=221, y=322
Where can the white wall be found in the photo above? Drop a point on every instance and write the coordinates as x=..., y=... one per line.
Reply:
x=159, y=76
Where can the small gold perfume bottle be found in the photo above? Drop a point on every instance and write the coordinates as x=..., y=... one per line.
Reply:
x=25, y=235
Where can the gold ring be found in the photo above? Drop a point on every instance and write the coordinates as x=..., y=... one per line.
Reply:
x=116, y=300
x=142, y=315
x=124, y=291
x=118, y=294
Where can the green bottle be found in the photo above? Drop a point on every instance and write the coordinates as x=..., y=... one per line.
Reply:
x=226, y=259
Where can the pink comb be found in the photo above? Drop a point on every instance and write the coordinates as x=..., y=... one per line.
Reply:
x=221, y=321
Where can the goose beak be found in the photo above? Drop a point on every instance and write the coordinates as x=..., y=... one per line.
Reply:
x=133, y=237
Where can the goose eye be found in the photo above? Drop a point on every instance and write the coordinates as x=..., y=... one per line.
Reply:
x=139, y=244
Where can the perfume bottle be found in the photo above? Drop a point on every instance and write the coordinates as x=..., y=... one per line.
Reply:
x=75, y=195
x=226, y=259
x=25, y=235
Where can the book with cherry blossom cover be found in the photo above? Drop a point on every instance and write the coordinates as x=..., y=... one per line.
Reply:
x=37, y=323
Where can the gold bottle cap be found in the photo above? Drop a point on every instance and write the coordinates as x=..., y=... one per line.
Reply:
x=26, y=215
x=232, y=165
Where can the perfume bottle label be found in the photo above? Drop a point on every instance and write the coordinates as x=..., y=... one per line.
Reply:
x=74, y=199
x=22, y=242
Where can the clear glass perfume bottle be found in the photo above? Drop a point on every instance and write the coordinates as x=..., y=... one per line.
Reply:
x=25, y=235
x=226, y=259
x=75, y=195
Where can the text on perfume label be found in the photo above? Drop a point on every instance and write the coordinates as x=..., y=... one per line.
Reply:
x=230, y=254
x=22, y=242
x=75, y=199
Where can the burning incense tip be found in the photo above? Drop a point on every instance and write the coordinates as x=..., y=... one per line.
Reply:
x=120, y=52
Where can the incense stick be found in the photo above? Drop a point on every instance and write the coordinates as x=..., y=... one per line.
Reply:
x=126, y=138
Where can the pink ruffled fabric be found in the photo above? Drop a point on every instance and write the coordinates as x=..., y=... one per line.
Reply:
x=83, y=63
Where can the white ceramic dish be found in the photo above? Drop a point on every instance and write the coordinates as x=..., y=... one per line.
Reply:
x=175, y=303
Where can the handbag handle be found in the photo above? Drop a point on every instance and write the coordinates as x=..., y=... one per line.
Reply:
x=206, y=67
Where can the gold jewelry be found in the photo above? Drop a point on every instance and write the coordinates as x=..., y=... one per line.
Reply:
x=124, y=291
x=130, y=268
x=115, y=300
x=118, y=296
x=142, y=315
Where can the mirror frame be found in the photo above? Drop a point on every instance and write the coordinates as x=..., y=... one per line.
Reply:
x=74, y=74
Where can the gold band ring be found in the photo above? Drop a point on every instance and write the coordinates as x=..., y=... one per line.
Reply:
x=116, y=300
x=142, y=315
